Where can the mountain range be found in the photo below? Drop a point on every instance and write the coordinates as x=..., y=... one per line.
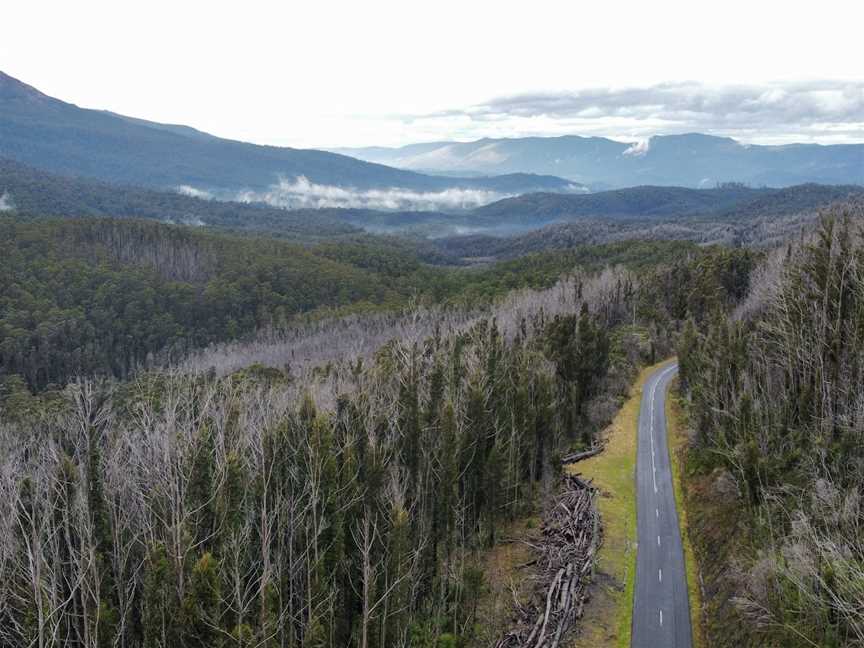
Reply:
x=34, y=193
x=690, y=160
x=505, y=183
x=646, y=203
x=60, y=137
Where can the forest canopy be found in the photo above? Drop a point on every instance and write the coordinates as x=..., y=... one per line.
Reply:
x=102, y=296
x=336, y=501
x=775, y=396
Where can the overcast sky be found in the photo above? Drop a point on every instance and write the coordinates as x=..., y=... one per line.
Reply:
x=318, y=73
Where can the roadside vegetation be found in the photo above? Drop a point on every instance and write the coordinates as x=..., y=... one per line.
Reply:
x=678, y=442
x=775, y=467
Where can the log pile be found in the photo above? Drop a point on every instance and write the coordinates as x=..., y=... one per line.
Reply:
x=565, y=566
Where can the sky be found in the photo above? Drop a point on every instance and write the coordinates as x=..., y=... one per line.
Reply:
x=325, y=74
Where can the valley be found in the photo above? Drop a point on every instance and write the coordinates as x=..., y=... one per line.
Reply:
x=519, y=392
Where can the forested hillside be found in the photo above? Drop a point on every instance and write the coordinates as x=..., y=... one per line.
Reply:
x=730, y=213
x=732, y=216
x=776, y=469
x=110, y=296
x=670, y=203
x=219, y=440
x=644, y=201
x=102, y=296
x=327, y=485
x=35, y=194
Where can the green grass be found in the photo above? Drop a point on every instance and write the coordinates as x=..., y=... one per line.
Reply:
x=677, y=439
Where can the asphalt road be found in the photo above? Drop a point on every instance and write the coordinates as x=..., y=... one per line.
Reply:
x=661, y=611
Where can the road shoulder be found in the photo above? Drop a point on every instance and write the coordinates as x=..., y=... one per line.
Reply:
x=676, y=434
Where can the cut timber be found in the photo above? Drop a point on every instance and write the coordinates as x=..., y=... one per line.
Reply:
x=570, y=538
x=579, y=456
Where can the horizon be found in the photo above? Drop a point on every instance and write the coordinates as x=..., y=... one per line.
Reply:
x=328, y=76
x=646, y=137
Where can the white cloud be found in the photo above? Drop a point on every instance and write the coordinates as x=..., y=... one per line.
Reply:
x=300, y=192
x=819, y=111
x=6, y=203
x=638, y=149
x=188, y=190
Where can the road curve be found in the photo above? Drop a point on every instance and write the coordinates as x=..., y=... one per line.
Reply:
x=661, y=611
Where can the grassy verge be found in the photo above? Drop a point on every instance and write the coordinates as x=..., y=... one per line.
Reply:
x=609, y=614
x=506, y=570
x=677, y=438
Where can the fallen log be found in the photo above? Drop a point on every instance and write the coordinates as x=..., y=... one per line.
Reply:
x=579, y=456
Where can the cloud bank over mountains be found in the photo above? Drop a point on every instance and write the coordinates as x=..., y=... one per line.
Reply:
x=301, y=193
x=6, y=203
x=775, y=113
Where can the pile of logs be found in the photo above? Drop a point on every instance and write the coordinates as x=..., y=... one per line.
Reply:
x=565, y=565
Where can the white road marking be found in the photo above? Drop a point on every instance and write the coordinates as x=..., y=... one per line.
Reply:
x=658, y=541
x=661, y=617
x=651, y=426
x=657, y=511
x=653, y=464
x=660, y=575
x=651, y=432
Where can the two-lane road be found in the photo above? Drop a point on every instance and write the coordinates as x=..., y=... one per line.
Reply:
x=661, y=611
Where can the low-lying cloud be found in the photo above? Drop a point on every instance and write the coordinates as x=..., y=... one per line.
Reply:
x=826, y=111
x=6, y=203
x=188, y=190
x=638, y=149
x=301, y=193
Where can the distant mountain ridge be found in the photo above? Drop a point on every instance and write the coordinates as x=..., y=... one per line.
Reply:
x=732, y=216
x=633, y=202
x=59, y=137
x=34, y=194
x=616, y=208
x=658, y=202
x=689, y=160
x=39, y=194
